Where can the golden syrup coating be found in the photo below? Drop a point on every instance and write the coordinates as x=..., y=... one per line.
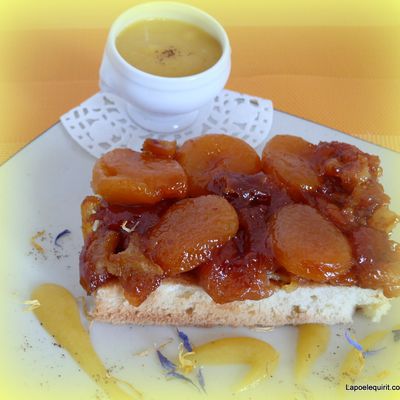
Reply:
x=189, y=231
x=205, y=155
x=124, y=176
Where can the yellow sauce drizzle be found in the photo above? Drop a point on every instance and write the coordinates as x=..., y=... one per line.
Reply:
x=354, y=362
x=261, y=357
x=59, y=315
x=312, y=341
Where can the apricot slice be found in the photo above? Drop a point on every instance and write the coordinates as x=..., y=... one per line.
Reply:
x=308, y=245
x=288, y=159
x=124, y=176
x=203, y=156
x=160, y=148
x=230, y=276
x=188, y=232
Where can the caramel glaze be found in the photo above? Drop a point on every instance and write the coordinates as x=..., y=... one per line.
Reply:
x=342, y=185
x=111, y=239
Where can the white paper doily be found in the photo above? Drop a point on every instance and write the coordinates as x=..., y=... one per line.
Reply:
x=101, y=123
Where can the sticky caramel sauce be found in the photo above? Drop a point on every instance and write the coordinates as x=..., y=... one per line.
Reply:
x=59, y=315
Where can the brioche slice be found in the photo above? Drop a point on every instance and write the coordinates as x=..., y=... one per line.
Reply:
x=179, y=302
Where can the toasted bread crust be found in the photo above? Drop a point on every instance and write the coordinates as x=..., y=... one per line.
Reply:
x=181, y=303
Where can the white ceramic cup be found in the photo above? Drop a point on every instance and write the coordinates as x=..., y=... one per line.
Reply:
x=157, y=103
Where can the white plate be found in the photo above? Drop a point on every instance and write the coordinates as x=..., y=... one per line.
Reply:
x=42, y=188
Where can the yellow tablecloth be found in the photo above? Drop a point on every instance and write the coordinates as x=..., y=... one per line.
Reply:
x=347, y=78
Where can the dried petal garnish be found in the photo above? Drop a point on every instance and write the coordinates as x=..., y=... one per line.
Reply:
x=200, y=379
x=396, y=335
x=185, y=340
x=36, y=245
x=60, y=235
x=175, y=374
x=31, y=305
x=185, y=365
x=352, y=341
x=170, y=367
x=165, y=363
x=372, y=352
x=355, y=361
x=358, y=346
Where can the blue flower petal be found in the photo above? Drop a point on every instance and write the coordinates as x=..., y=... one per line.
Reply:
x=60, y=235
x=185, y=340
x=165, y=363
x=200, y=379
x=372, y=352
x=353, y=342
x=177, y=375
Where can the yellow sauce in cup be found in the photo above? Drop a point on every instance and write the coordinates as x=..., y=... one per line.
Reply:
x=168, y=48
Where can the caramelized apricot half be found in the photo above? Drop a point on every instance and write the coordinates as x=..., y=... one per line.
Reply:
x=188, y=232
x=160, y=148
x=230, y=276
x=287, y=158
x=203, y=156
x=308, y=245
x=124, y=176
